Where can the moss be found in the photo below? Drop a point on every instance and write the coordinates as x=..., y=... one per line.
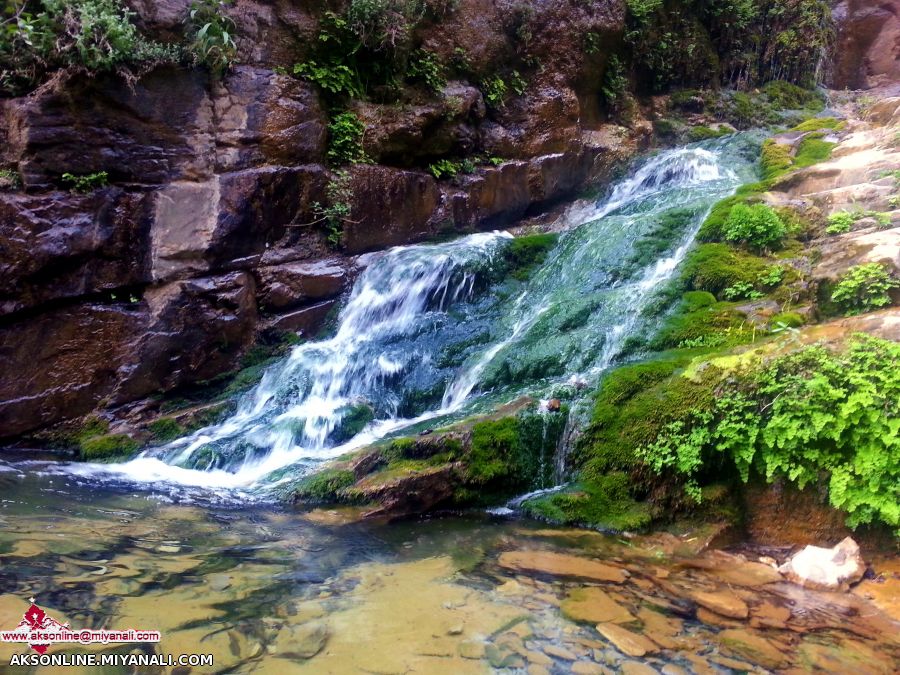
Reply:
x=812, y=150
x=107, y=447
x=632, y=406
x=605, y=503
x=667, y=129
x=525, y=253
x=787, y=96
x=789, y=319
x=775, y=159
x=713, y=227
x=715, y=267
x=354, y=420
x=166, y=429
x=819, y=123
x=708, y=326
x=703, y=133
x=666, y=232
x=328, y=485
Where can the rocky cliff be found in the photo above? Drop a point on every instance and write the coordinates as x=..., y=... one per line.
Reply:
x=202, y=241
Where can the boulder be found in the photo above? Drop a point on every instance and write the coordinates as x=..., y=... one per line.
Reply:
x=867, y=53
x=295, y=283
x=62, y=245
x=829, y=569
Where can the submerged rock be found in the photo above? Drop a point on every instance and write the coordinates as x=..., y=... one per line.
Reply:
x=826, y=568
x=561, y=565
x=593, y=605
x=626, y=641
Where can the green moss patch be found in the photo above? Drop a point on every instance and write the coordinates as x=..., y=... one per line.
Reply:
x=525, y=253
x=107, y=447
x=326, y=486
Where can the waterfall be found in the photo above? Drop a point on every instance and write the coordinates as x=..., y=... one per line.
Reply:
x=435, y=330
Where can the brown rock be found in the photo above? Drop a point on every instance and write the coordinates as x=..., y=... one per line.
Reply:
x=754, y=648
x=593, y=605
x=412, y=493
x=62, y=245
x=636, y=668
x=305, y=321
x=722, y=602
x=626, y=641
x=296, y=283
x=562, y=565
x=660, y=628
x=866, y=51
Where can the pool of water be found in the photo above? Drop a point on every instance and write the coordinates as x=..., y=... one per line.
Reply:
x=269, y=589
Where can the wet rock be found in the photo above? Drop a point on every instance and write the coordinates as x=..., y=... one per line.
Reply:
x=301, y=642
x=770, y=616
x=587, y=668
x=471, y=650
x=559, y=652
x=636, y=668
x=722, y=602
x=60, y=245
x=626, y=641
x=296, y=283
x=826, y=568
x=593, y=605
x=414, y=492
x=754, y=648
x=660, y=628
x=554, y=405
x=306, y=321
x=562, y=565
x=736, y=570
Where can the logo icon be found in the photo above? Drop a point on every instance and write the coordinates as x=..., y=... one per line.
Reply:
x=38, y=624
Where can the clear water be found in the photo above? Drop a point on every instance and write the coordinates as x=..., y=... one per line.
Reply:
x=433, y=332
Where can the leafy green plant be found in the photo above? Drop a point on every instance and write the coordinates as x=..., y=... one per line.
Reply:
x=756, y=226
x=840, y=222
x=864, y=288
x=337, y=209
x=741, y=290
x=9, y=180
x=425, y=67
x=772, y=277
x=883, y=220
x=801, y=417
x=211, y=34
x=335, y=78
x=494, y=90
x=42, y=36
x=615, y=85
x=86, y=182
x=517, y=83
x=345, y=139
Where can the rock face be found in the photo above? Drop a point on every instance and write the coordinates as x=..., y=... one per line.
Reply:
x=867, y=52
x=205, y=238
x=826, y=568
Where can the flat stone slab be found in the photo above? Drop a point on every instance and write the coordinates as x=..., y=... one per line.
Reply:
x=594, y=605
x=561, y=565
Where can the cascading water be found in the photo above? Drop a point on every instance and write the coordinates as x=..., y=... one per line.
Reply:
x=436, y=331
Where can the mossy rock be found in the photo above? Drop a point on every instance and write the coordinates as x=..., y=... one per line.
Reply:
x=527, y=252
x=325, y=486
x=166, y=429
x=715, y=267
x=789, y=319
x=107, y=447
x=604, y=503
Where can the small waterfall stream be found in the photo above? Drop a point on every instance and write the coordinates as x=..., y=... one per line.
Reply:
x=439, y=331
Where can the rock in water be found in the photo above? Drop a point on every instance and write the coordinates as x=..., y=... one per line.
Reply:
x=826, y=568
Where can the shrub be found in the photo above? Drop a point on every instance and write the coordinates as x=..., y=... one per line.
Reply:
x=94, y=35
x=864, y=288
x=211, y=32
x=335, y=78
x=756, y=226
x=345, y=139
x=840, y=223
x=615, y=85
x=9, y=180
x=425, y=67
x=802, y=416
x=86, y=182
x=494, y=90
x=332, y=214
x=788, y=96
